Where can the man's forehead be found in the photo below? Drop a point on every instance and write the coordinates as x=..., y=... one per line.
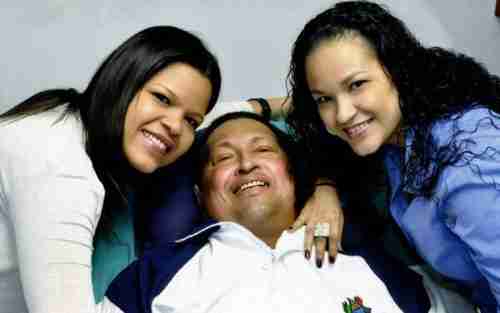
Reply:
x=240, y=131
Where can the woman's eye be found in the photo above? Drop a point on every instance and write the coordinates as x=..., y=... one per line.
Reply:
x=162, y=98
x=322, y=99
x=357, y=84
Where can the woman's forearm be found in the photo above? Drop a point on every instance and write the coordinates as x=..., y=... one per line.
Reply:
x=279, y=106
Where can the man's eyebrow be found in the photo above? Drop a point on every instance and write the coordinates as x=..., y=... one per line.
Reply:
x=222, y=144
x=260, y=138
x=226, y=143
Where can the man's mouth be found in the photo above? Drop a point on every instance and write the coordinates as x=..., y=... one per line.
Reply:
x=357, y=129
x=251, y=184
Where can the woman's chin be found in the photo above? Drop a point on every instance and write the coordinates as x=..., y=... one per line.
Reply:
x=144, y=166
x=365, y=149
x=146, y=169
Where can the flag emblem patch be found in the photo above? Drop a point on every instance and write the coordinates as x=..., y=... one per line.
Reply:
x=355, y=305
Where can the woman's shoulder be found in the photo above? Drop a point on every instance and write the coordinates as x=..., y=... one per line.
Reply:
x=473, y=137
x=47, y=143
x=478, y=123
x=41, y=134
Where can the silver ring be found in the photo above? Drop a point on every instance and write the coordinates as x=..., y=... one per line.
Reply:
x=322, y=230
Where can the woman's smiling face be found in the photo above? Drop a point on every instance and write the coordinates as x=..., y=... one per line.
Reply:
x=163, y=115
x=356, y=99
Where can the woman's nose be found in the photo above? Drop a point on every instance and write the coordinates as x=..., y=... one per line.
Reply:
x=346, y=110
x=173, y=121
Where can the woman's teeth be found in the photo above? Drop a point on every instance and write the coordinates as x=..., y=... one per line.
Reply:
x=358, y=129
x=155, y=140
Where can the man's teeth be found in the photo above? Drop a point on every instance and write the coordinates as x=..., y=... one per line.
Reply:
x=251, y=184
x=156, y=140
x=353, y=131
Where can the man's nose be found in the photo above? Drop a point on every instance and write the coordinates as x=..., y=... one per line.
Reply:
x=246, y=163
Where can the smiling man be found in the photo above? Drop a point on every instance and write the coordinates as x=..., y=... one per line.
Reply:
x=246, y=178
x=251, y=182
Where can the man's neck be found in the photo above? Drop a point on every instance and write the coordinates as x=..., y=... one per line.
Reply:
x=271, y=235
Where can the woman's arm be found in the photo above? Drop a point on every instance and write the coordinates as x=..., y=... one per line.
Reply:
x=472, y=212
x=322, y=207
x=279, y=107
x=222, y=108
x=469, y=193
x=53, y=203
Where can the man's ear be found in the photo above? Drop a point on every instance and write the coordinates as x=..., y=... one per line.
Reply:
x=197, y=193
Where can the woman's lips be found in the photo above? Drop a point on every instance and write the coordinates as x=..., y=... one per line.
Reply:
x=358, y=129
x=158, y=142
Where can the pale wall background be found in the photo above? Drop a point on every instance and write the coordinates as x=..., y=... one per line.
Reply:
x=59, y=43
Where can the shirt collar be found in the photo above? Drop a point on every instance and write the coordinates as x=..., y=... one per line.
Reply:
x=234, y=233
x=206, y=228
x=395, y=157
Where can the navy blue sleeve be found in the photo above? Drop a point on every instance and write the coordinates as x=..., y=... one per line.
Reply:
x=125, y=290
x=135, y=288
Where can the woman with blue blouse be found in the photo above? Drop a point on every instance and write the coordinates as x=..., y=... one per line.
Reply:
x=385, y=115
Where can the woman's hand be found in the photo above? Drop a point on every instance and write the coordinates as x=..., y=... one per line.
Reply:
x=322, y=207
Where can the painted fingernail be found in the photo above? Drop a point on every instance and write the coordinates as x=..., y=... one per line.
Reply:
x=307, y=254
x=319, y=262
x=331, y=259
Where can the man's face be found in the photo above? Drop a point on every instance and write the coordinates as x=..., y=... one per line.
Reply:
x=246, y=178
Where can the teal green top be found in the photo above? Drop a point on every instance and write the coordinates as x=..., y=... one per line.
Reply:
x=112, y=253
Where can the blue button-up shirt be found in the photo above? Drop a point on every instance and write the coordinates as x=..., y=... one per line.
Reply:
x=458, y=231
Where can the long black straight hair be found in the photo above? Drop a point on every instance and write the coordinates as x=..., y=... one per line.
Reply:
x=102, y=106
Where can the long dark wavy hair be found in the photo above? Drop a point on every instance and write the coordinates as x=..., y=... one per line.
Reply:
x=102, y=106
x=433, y=84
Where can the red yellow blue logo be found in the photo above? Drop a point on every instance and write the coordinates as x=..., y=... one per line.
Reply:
x=355, y=305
